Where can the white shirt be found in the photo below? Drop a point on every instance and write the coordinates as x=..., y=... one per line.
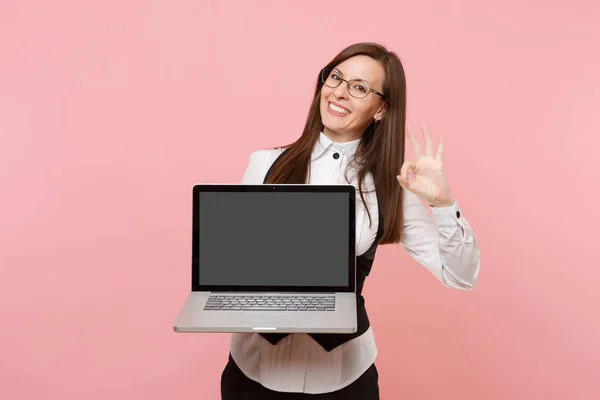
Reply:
x=444, y=244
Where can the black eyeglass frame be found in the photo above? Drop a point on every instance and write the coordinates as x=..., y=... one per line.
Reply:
x=325, y=76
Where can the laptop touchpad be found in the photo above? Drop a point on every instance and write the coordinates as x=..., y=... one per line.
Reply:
x=257, y=318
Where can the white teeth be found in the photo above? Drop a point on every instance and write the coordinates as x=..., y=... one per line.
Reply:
x=338, y=109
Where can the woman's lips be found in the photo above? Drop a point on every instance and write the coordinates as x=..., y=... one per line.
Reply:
x=337, y=110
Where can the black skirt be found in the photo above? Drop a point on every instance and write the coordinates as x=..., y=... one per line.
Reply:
x=237, y=386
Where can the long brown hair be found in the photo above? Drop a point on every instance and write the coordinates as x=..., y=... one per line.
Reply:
x=381, y=150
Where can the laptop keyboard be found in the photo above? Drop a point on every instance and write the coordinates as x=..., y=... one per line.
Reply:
x=270, y=303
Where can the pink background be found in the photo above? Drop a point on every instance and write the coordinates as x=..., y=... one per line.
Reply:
x=111, y=110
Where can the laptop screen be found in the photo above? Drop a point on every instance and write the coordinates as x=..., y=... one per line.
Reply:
x=275, y=239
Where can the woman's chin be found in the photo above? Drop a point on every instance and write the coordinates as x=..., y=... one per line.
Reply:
x=334, y=126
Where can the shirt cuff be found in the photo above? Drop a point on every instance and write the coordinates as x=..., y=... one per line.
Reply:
x=447, y=216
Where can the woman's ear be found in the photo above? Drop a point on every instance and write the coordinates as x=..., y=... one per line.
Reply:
x=379, y=114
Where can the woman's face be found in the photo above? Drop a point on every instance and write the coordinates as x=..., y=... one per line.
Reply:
x=345, y=118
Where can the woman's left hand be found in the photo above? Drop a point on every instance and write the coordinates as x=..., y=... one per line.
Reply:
x=425, y=178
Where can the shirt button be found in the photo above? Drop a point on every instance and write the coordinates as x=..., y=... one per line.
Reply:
x=458, y=214
x=336, y=155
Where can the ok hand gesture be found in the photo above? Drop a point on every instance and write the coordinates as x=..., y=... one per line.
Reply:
x=425, y=177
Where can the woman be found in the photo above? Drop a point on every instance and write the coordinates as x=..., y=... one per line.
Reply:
x=355, y=133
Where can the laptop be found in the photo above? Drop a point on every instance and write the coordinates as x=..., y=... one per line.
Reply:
x=272, y=258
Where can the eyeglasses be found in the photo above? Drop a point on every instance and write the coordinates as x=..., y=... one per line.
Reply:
x=356, y=87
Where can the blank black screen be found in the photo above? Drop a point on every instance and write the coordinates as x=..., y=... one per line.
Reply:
x=274, y=239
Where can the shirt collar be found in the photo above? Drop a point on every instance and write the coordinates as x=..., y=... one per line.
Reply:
x=324, y=143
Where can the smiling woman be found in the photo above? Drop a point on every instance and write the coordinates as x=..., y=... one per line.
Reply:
x=347, y=110
x=355, y=134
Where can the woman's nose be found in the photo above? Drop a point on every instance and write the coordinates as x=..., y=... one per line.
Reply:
x=341, y=91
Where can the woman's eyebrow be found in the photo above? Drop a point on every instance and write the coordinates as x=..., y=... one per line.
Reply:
x=357, y=79
x=338, y=71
